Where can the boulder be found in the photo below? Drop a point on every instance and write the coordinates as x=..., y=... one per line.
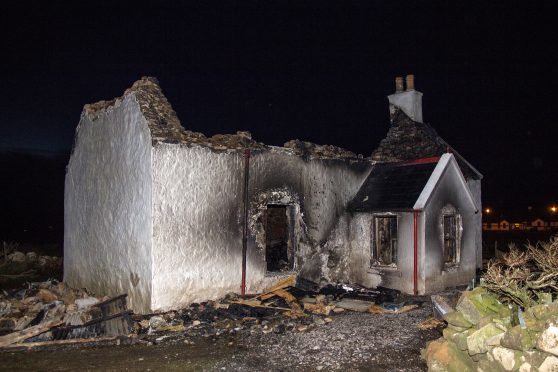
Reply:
x=509, y=359
x=548, y=340
x=550, y=364
x=477, y=304
x=457, y=319
x=476, y=342
x=442, y=355
x=518, y=338
x=534, y=358
x=31, y=256
x=17, y=256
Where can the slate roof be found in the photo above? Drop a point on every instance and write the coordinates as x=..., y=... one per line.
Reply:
x=392, y=187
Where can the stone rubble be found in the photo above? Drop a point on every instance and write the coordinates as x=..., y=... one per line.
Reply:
x=486, y=335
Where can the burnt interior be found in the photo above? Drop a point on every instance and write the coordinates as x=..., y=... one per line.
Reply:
x=278, y=231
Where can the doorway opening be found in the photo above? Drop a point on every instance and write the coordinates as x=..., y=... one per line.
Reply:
x=279, y=233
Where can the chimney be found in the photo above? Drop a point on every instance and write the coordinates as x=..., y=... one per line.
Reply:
x=408, y=100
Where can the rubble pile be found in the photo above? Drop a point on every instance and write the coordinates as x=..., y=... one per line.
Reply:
x=51, y=311
x=46, y=311
x=164, y=123
x=485, y=335
x=303, y=148
x=17, y=267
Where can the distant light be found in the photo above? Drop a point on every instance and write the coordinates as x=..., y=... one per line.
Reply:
x=554, y=209
x=487, y=210
x=530, y=208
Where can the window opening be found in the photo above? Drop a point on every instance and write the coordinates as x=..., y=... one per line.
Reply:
x=278, y=247
x=385, y=241
x=451, y=227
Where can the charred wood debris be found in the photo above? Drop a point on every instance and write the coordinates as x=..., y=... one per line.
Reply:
x=51, y=314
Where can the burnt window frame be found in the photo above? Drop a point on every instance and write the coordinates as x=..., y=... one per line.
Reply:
x=449, y=211
x=374, y=253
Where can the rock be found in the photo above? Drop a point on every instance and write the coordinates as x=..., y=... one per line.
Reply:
x=157, y=322
x=83, y=303
x=548, y=340
x=476, y=304
x=31, y=256
x=196, y=323
x=507, y=358
x=442, y=355
x=518, y=339
x=460, y=339
x=17, y=256
x=7, y=325
x=46, y=296
x=457, y=319
x=476, y=342
x=534, y=358
x=550, y=364
x=542, y=311
x=486, y=365
x=495, y=340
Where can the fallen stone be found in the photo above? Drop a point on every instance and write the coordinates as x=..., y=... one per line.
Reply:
x=518, y=338
x=507, y=358
x=476, y=342
x=548, y=340
x=17, y=256
x=534, y=357
x=550, y=364
x=157, y=322
x=476, y=304
x=457, y=319
x=31, y=256
x=442, y=355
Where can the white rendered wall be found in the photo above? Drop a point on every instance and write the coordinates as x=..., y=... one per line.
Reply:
x=475, y=187
x=107, y=205
x=197, y=209
x=449, y=190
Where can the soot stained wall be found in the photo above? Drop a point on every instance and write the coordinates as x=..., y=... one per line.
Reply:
x=197, y=210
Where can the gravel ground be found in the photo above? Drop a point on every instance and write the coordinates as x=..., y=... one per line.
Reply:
x=348, y=341
x=352, y=342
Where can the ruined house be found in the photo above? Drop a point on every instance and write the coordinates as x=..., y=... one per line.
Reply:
x=171, y=216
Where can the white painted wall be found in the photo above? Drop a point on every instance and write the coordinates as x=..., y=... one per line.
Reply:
x=107, y=205
x=197, y=211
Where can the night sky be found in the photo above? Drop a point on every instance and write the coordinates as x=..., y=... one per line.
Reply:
x=316, y=71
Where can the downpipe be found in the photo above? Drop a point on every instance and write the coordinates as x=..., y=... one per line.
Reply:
x=415, y=252
x=245, y=225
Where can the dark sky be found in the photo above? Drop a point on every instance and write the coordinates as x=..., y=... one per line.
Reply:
x=318, y=71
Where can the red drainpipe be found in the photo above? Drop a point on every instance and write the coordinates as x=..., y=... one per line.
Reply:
x=415, y=253
x=245, y=227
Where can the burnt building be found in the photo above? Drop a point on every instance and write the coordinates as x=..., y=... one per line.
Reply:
x=171, y=216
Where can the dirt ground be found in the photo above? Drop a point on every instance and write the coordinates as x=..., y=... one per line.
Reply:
x=351, y=342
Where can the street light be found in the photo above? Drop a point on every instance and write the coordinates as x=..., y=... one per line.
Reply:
x=554, y=209
x=487, y=210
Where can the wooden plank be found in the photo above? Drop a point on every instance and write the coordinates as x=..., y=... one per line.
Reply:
x=77, y=341
x=14, y=337
x=268, y=293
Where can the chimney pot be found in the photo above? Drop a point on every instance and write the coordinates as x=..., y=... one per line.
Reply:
x=399, y=84
x=410, y=81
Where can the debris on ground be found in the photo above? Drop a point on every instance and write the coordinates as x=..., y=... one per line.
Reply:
x=17, y=267
x=51, y=311
x=431, y=323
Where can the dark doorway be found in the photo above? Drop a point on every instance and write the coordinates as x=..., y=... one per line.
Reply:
x=277, y=238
